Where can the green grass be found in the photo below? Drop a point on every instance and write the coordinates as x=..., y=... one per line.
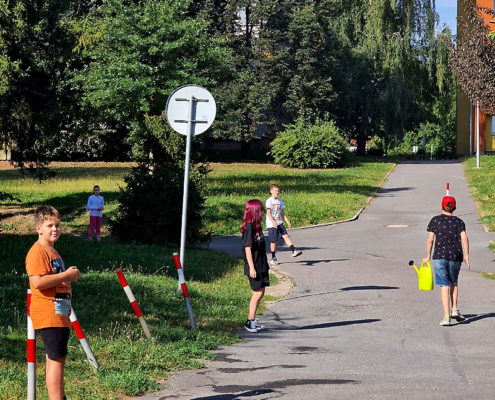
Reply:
x=482, y=187
x=129, y=363
x=311, y=196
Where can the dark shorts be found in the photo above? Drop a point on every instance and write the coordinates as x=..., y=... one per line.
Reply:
x=55, y=341
x=260, y=281
x=273, y=233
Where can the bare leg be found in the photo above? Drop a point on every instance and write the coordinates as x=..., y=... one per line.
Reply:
x=444, y=294
x=287, y=240
x=55, y=378
x=273, y=246
x=453, y=295
x=255, y=301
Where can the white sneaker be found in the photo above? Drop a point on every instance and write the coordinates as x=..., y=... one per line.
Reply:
x=455, y=314
x=250, y=326
x=296, y=253
x=445, y=321
x=258, y=326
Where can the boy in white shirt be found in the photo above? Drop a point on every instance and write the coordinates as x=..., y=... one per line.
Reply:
x=275, y=218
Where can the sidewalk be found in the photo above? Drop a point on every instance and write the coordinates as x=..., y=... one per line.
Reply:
x=355, y=326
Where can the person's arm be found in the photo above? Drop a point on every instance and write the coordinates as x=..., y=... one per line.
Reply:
x=47, y=281
x=465, y=247
x=102, y=206
x=429, y=246
x=249, y=258
x=286, y=219
x=88, y=206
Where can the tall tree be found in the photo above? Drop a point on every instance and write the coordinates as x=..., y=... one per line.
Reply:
x=473, y=56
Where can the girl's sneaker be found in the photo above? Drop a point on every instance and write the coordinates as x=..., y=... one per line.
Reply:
x=250, y=326
x=258, y=326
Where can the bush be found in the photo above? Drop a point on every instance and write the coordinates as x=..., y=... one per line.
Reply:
x=150, y=209
x=315, y=146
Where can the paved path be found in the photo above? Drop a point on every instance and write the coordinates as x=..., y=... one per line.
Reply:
x=356, y=326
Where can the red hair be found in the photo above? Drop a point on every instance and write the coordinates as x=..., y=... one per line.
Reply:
x=252, y=215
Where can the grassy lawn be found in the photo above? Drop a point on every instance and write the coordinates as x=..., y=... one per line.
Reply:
x=482, y=187
x=129, y=363
x=311, y=196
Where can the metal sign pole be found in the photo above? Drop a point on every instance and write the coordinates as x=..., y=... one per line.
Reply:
x=186, y=179
x=470, y=127
x=477, y=134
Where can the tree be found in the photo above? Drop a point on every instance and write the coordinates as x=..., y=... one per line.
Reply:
x=384, y=69
x=473, y=57
x=35, y=57
x=139, y=52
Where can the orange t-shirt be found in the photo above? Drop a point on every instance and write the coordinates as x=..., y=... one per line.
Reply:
x=49, y=307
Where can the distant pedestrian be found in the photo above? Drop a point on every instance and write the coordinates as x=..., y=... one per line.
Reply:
x=255, y=262
x=451, y=247
x=95, y=206
x=275, y=218
x=50, y=284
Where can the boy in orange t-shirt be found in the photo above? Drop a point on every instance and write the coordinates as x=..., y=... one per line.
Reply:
x=50, y=284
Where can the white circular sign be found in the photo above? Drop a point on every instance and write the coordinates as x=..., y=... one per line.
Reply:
x=204, y=109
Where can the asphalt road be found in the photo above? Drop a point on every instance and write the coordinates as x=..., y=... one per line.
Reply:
x=356, y=326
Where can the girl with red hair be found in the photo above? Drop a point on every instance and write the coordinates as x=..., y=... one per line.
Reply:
x=255, y=261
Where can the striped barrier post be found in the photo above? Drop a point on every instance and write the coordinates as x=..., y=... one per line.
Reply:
x=31, y=353
x=133, y=302
x=82, y=338
x=182, y=283
x=447, y=189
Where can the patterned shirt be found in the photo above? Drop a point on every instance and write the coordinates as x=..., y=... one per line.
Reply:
x=276, y=206
x=447, y=230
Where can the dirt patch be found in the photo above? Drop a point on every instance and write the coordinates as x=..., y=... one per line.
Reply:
x=282, y=289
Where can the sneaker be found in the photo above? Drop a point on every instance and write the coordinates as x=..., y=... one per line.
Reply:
x=250, y=326
x=445, y=321
x=455, y=314
x=274, y=261
x=296, y=253
x=258, y=326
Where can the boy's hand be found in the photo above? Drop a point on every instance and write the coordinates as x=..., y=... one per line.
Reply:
x=73, y=274
x=426, y=259
x=252, y=273
x=466, y=260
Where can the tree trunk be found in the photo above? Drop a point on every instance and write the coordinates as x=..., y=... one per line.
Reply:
x=247, y=151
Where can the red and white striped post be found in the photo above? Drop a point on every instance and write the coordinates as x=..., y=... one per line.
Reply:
x=447, y=189
x=183, y=286
x=31, y=353
x=133, y=302
x=82, y=338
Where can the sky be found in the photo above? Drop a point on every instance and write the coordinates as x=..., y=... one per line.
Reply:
x=447, y=9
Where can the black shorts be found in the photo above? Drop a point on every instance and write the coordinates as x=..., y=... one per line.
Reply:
x=273, y=233
x=55, y=341
x=260, y=281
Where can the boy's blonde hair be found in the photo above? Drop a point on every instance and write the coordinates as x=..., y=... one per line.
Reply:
x=45, y=213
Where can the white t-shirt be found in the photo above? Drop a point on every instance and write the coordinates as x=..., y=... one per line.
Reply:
x=95, y=202
x=276, y=206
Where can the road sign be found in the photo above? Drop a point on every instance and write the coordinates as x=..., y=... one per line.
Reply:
x=180, y=103
x=190, y=111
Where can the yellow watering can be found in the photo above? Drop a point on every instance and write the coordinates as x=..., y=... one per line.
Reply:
x=425, y=276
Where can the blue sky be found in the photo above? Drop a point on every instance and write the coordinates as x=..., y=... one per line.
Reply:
x=447, y=9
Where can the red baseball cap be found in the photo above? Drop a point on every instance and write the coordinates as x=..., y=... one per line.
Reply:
x=448, y=201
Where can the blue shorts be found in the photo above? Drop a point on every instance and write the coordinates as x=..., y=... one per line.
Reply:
x=274, y=232
x=446, y=272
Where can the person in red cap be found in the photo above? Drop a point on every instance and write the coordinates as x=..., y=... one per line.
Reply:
x=451, y=248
